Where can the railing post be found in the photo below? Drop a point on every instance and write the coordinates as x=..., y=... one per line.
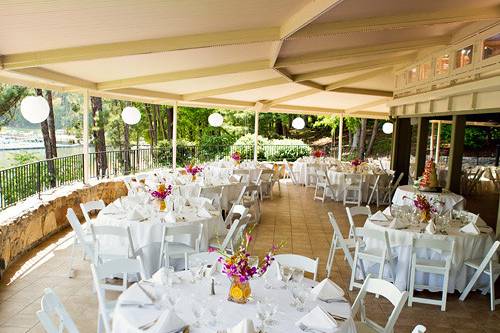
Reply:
x=38, y=183
x=341, y=133
x=85, y=136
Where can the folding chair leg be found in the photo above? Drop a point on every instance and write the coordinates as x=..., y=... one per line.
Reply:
x=492, y=292
x=411, y=287
x=445, y=291
x=470, y=285
x=331, y=256
x=71, y=272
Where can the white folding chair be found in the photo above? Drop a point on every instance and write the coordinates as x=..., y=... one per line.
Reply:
x=374, y=189
x=231, y=237
x=387, y=290
x=80, y=237
x=392, y=188
x=52, y=308
x=311, y=175
x=244, y=174
x=380, y=254
x=289, y=172
x=489, y=266
x=120, y=238
x=278, y=171
x=180, y=249
x=356, y=211
x=150, y=255
x=215, y=194
x=433, y=266
x=419, y=329
x=323, y=183
x=210, y=259
x=100, y=272
x=297, y=261
x=352, y=185
x=266, y=184
x=339, y=242
x=90, y=206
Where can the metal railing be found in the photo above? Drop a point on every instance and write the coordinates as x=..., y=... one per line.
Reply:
x=20, y=182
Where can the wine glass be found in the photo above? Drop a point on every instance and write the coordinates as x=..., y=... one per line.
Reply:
x=297, y=275
x=253, y=261
x=286, y=274
x=262, y=315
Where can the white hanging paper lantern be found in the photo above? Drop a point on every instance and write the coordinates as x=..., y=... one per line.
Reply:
x=298, y=123
x=387, y=128
x=131, y=115
x=215, y=119
x=35, y=109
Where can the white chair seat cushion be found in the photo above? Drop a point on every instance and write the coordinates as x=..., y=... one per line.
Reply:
x=363, y=328
x=175, y=248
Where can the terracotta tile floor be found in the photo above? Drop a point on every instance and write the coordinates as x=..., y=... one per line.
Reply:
x=293, y=217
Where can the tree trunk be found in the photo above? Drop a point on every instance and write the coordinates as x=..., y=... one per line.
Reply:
x=355, y=140
x=362, y=139
x=372, y=138
x=150, y=124
x=161, y=124
x=48, y=149
x=99, y=136
x=170, y=122
x=156, y=118
x=52, y=125
x=126, y=149
x=279, y=127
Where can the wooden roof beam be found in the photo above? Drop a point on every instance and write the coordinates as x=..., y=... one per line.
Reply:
x=362, y=91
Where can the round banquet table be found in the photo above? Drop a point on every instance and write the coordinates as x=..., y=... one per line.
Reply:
x=404, y=195
x=337, y=178
x=145, y=232
x=467, y=246
x=127, y=319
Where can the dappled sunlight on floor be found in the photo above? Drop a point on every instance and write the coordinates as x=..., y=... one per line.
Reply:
x=292, y=217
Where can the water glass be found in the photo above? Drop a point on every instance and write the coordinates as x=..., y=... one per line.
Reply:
x=298, y=275
x=286, y=274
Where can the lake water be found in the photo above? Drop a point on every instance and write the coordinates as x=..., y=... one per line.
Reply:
x=6, y=156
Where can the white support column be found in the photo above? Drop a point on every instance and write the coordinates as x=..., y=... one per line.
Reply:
x=438, y=142
x=431, y=148
x=85, y=137
x=256, y=135
x=174, y=137
x=341, y=132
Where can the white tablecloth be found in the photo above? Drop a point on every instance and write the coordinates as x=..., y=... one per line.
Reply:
x=127, y=319
x=466, y=247
x=405, y=194
x=337, y=178
x=147, y=232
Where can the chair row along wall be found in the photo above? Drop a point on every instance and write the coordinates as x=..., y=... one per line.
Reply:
x=27, y=224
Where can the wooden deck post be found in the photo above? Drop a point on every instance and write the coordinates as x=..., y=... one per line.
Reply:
x=421, y=153
x=401, y=144
x=456, y=153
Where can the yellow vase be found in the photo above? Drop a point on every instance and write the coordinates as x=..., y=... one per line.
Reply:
x=193, y=178
x=239, y=292
x=162, y=205
x=425, y=216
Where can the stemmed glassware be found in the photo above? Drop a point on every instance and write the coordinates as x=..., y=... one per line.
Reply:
x=286, y=274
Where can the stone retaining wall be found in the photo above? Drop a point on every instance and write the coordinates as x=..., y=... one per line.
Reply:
x=28, y=223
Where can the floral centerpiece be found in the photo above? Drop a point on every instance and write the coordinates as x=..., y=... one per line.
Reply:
x=236, y=157
x=356, y=163
x=193, y=170
x=161, y=193
x=236, y=266
x=318, y=153
x=424, y=206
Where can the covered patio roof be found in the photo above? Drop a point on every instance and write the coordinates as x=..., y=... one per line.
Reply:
x=293, y=56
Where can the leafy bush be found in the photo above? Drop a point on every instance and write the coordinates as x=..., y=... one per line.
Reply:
x=289, y=149
x=245, y=145
x=214, y=147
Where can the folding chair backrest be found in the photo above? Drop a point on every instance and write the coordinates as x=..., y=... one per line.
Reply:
x=297, y=261
x=335, y=226
x=387, y=290
x=489, y=256
x=52, y=308
x=188, y=229
x=80, y=235
x=122, y=233
x=321, y=176
x=87, y=207
x=379, y=235
x=111, y=268
x=353, y=179
x=258, y=178
x=359, y=210
x=267, y=175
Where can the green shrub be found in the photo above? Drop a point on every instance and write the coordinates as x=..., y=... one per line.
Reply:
x=289, y=149
x=244, y=145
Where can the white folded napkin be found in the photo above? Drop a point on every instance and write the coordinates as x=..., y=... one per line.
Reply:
x=169, y=217
x=430, y=228
x=379, y=216
x=168, y=321
x=160, y=277
x=326, y=290
x=318, y=319
x=201, y=202
x=202, y=212
x=470, y=228
x=244, y=326
x=398, y=224
x=138, y=213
